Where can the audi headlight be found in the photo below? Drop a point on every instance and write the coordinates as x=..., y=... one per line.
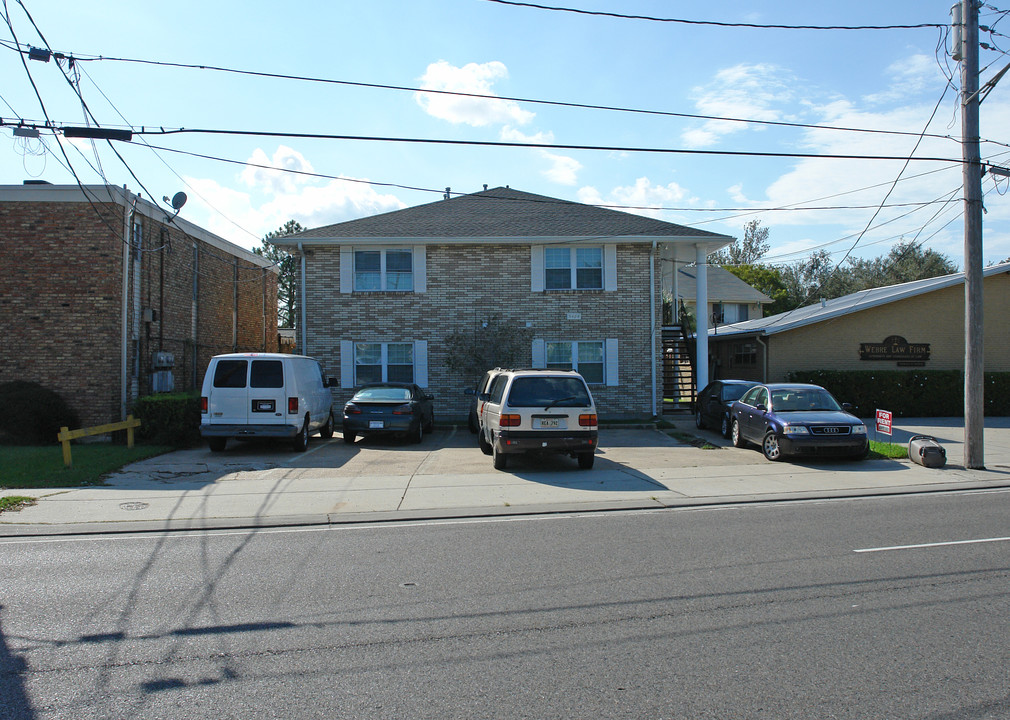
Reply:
x=858, y=429
x=795, y=430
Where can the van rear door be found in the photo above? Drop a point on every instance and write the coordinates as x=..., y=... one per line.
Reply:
x=267, y=399
x=228, y=398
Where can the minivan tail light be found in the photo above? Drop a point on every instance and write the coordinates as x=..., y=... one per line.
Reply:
x=587, y=420
x=510, y=420
x=203, y=405
x=293, y=405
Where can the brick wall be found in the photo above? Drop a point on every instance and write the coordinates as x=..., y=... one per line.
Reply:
x=61, y=302
x=467, y=284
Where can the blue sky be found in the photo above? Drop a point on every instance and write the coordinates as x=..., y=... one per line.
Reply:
x=872, y=79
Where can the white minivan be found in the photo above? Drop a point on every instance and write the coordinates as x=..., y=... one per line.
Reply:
x=253, y=395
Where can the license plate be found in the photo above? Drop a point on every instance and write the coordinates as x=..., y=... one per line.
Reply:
x=549, y=424
x=375, y=424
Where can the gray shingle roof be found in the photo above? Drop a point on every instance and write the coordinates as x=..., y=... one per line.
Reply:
x=501, y=213
x=862, y=300
x=723, y=286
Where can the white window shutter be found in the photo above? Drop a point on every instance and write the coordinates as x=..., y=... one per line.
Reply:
x=420, y=271
x=421, y=363
x=346, y=269
x=536, y=268
x=610, y=267
x=610, y=354
x=346, y=364
x=539, y=353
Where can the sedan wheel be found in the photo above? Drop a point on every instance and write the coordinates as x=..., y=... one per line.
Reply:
x=770, y=447
x=699, y=419
x=348, y=437
x=418, y=435
x=738, y=440
x=724, y=426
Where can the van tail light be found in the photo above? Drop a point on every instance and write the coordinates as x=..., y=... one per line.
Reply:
x=587, y=420
x=203, y=405
x=406, y=409
x=510, y=420
x=293, y=405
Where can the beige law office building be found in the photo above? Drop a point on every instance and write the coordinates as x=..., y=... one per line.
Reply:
x=913, y=325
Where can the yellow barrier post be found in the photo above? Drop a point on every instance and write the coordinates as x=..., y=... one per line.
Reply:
x=66, y=435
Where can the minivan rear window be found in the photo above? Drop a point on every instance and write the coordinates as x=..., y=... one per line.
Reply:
x=548, y=391
x=230, y=374
x=266, y=374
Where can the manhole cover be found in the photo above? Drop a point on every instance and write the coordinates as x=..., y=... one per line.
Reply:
x=133, y=505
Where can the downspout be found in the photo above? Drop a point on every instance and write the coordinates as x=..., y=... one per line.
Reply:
x=701, y=317
x=764, y=362
x=124, y=314
x=301, y=254
x=652, y=319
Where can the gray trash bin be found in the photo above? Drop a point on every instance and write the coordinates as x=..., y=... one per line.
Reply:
x=926, y=451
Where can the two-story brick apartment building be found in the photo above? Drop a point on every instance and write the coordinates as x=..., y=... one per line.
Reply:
x=104, y=297
x=581, y=285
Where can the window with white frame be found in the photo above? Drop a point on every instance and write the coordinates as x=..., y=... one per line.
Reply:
x=383, y=362
x=579, y=268
x=584, y=357
x=376, y=270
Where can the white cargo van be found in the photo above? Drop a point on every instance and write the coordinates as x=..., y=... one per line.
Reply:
x=247, y=395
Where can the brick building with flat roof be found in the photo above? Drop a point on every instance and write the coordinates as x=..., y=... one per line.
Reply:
x=105, y=297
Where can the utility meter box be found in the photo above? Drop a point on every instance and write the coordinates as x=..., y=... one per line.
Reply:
x=162, y=360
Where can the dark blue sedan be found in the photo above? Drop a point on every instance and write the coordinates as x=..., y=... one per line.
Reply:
x=796, y=419
x=389, y=408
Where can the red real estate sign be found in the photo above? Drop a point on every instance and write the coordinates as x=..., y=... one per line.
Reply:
x=884, y=421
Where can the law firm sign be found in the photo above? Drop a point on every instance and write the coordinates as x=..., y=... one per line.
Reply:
x=894, y=347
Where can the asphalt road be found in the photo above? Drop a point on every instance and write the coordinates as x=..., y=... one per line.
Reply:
x=798, y=610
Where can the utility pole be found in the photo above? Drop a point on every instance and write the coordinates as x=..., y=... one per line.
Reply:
x=974, y=361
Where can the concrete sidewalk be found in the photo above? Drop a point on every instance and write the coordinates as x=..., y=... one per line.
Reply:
x=265, y=485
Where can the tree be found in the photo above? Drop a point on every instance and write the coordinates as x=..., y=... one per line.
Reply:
x=768, y=280
x=749, y=251
x=287, y=280
x=494, y=342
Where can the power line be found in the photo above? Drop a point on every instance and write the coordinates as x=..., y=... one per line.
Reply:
x=481, y=96
x=713, y=23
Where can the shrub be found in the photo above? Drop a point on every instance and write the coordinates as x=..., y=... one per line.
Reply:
x=169, y=419
x=908, y=393
x=33, y=414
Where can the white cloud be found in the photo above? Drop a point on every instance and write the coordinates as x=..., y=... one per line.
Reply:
x=275, y=181
x=909, y=77
x=646, y=198
x=471, y=78
x=563, y=170
x=243, y=217
x=510, y=134
x=743, y=91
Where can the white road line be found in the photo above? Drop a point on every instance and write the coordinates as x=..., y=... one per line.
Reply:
x=931, y=545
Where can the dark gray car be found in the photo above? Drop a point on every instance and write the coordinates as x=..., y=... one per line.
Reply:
x=711, y=410
x=389, y=408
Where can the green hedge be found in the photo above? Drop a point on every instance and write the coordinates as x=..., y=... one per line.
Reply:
x=908, y=393
x=169, y=419
x=33, y=414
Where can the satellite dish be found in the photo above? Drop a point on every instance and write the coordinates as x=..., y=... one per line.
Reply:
x=178, y=200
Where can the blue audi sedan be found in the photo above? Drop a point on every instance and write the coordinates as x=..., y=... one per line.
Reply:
x=796, y=419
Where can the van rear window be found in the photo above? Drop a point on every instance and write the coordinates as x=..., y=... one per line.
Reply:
x=230, y=374
x=548, y=391
x=266, y=374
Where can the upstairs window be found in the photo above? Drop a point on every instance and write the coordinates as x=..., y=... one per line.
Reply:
x=568, y=268
x=377, y=270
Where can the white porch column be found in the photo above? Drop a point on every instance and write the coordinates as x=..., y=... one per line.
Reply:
x=701, y=316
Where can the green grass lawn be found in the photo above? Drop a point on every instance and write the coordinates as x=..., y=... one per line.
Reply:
x=42, y=467
x=887, y=450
